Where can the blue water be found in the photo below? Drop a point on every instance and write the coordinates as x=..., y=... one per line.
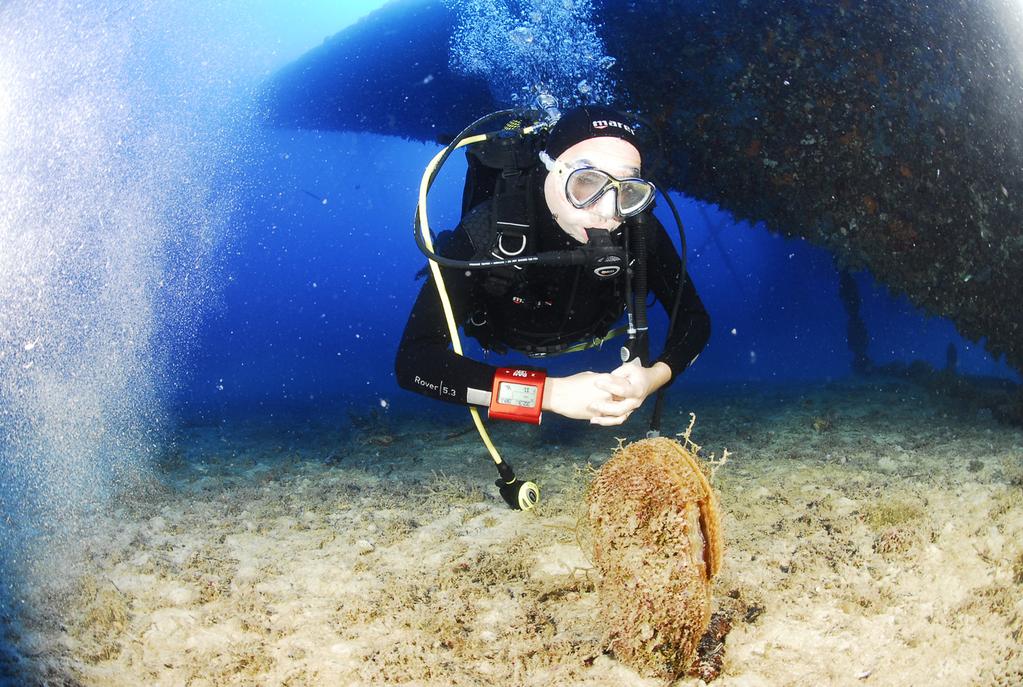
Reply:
x=225, y=270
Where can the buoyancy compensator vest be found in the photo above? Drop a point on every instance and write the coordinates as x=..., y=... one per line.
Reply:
x=502, y=221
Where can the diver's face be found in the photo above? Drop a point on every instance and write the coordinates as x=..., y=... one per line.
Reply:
x=612, y=155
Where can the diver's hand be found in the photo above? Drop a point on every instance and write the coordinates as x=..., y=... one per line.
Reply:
x=604, y=399
x=628, y=386
x=575, y=396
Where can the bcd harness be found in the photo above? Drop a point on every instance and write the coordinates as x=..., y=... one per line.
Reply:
x=501, y=220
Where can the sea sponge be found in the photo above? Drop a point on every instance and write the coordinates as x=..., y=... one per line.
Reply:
x=657, y=544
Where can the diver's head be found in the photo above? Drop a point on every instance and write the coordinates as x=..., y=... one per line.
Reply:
x=593, y=162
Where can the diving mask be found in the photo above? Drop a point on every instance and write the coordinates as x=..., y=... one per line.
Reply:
x=585, y=185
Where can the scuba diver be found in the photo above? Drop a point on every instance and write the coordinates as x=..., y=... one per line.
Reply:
x=557, y=240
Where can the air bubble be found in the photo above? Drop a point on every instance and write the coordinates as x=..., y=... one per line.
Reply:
x=549, y=104
x=546, y=100
x=104, y=316
x=522, y=35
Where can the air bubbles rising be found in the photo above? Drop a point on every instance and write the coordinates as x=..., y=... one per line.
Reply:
x=526, y=47
x=549, y=104
x=131, y=195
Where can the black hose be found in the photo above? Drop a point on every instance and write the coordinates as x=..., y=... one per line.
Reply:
x=655, y=418
x=639, y=288
x=630, y=303
x=450, y=148
x=661, y=151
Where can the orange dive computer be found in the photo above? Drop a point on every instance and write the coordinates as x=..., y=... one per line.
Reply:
x=517, y=395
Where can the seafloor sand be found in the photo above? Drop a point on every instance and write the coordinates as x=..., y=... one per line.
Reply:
x=872, y=538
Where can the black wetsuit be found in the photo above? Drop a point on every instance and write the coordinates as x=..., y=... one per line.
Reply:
x=551, y=306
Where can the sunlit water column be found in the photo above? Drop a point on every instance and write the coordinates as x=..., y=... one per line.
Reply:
x=116, y=127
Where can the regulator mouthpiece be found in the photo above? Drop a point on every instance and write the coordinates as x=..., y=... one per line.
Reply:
x=604, y=258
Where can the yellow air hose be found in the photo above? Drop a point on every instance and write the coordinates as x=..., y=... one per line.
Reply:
x=524, y=502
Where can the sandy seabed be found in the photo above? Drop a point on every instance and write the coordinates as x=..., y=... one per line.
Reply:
x=872, y=537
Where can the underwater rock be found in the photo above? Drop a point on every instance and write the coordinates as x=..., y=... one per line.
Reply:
x=710, y=657
x=657, y=544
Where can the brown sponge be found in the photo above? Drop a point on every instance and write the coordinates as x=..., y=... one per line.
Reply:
x=657, y=544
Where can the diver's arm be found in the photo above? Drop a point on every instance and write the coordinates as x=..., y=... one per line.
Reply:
x=692, y=324
x=425, y=362
x=573, y=396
